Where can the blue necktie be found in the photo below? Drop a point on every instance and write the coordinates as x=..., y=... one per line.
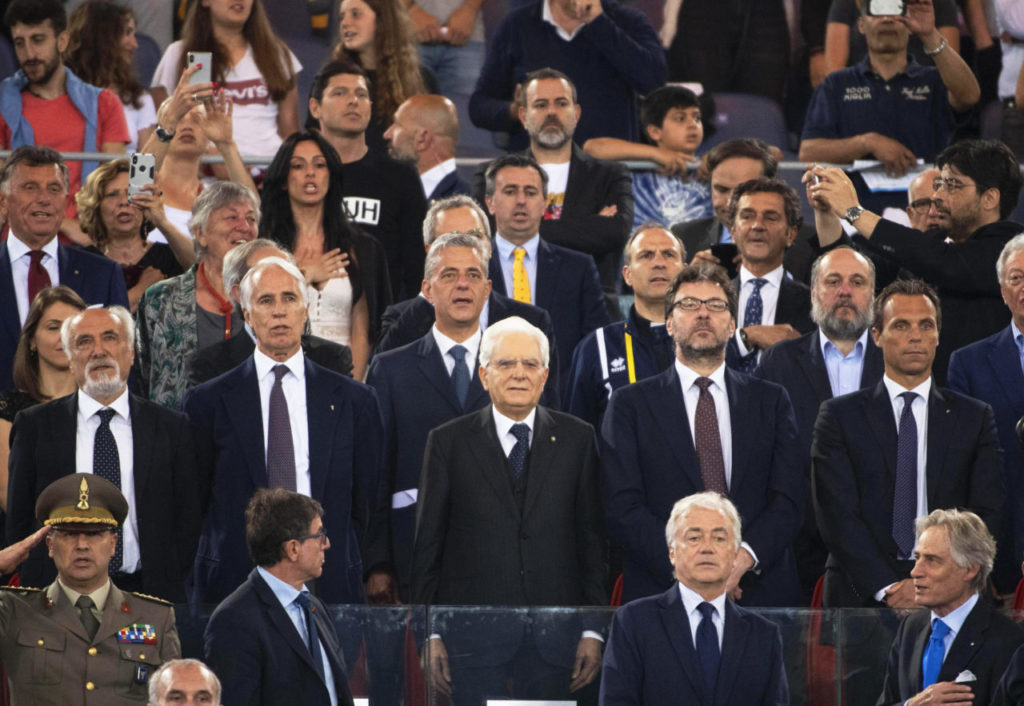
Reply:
x=708, y=653
x=460, y=373
x=904, y=501
x=752, y=317
x=106, y=463
x=313, y=636
x=931, y=663
x=517, y=457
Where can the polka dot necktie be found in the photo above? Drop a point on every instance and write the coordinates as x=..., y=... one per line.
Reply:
x=517, y=457
x=520, y=280
x=107, y=465
x=904, y=501
x=752, y=315
x=280, y=448
x=708, y=442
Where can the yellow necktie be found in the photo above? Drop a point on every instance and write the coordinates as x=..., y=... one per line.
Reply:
x=520, y=280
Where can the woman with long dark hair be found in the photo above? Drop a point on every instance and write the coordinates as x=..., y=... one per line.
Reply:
x=345, y=269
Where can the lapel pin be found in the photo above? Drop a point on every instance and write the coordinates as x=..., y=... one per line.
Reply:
x=552, y=439
x=332, y=407
x=125, y=608
x=48, y=603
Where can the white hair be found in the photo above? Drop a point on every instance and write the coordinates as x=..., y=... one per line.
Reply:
x=162, y=674
x=708, y=500
x=456, y=240
x=513, y=324
x=248, y=282
x=122, y=315
x=1012, y=247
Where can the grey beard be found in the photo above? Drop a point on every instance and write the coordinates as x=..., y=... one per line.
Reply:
x=840, y=329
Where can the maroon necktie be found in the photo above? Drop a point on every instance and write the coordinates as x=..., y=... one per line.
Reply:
x=38, y=277
x=708, y=441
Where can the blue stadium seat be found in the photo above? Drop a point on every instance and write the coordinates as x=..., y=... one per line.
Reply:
x=742, y=115
x=146, y=58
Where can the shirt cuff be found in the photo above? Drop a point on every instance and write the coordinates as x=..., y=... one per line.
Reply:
x=880, y=595
x=756, y=568
x=596, y=635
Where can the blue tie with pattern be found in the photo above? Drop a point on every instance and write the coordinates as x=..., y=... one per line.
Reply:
x=460, y=373
x=752, y=317
x=904, y=501
x=106, y=463
x=931, y=663
x=517, y=457
x=708, y=652
x=312, y=635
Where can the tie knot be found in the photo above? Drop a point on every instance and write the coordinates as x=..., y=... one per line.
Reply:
x=703, y=384
x=303, y=599
x=519, y=254
x=279, y=372
x=707, y=611
x=458, y=353
x=908, y=398
x=521, y=432
x=105, y=415
x=84, y=603
x=758, y=282
x=36, y=256
x=939, y=629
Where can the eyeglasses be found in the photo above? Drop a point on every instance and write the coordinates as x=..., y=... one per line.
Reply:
x=923, y=205
x=321, y=536
x=950, y=184
x=715, y=305
x=507, y=365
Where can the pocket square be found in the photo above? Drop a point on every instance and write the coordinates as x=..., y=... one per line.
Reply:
x=965, y=676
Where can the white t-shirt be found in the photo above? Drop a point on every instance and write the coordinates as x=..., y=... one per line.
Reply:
x=558, y=177
x=255, y=114
x=139, y=119
x=178, y=217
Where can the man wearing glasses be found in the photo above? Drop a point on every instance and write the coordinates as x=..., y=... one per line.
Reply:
x=978, y=187
x=271, y=641
x=700, y=426
x=924, y=212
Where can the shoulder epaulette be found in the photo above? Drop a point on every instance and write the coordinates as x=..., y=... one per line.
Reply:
x=20, y=588
x=154, y=599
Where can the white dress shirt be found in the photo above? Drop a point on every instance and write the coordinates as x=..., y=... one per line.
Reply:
x=293, y=384
x=286, y=595
x=435, y=175
x=691, y=600
x=445, y=344
x=769, y=299
x=691, y=393
x=85, y=438
x=507, y=258
x=545, y=14
x=18, y=252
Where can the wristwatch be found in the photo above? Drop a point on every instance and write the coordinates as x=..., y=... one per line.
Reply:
x=163, y=135
x=852, y=214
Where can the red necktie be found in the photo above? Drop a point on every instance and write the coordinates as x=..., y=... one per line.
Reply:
x=38, y=277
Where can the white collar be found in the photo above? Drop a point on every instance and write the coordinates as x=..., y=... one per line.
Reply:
x=692, y=599
x=504, y=424
x=774, y=277
x=895, y=389
x=88, y=406
x=688, y=376
x=436, y=174
x=445, y=344
x=547, y=16
x=264, y=364
x=16, y=247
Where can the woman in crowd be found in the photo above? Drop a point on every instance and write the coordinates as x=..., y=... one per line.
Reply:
x=41, y=367
x=181, y=315
x=345, y=269
x=101, y=51
x=118, y=225
x=250, y=64
x=377, y=36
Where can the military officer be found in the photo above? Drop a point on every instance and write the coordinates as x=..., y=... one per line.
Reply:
x=81, y=640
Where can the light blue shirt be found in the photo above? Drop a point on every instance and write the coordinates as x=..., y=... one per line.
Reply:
x=506, y=256
x=844, y=372
x=954, y=620
x=691, y=603
x=286, y=594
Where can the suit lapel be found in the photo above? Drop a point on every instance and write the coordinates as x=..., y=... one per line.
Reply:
x=668, y=408
x=878, y=410
x=786, y=302
x=547, y=276
x=490, y=457
x=543, y=456
x=740, y=417
x=496, y=273
x=1004, y=358
x=433, y=370
x=941, y=429
x=917, y=654
x=143, y=424
x=677, y=627
x=323, y=407
x=967, y=642
x=8, y=313
x=734, y=642
x=65, y=417
x=812, y=363
x=242, y=403
x=277, y=617
x=874, y=365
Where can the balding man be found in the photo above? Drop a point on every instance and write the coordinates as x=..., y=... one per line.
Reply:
x=425, y=133
x=924, y=212
x=184, y=681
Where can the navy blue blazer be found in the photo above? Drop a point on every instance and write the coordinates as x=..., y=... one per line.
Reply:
x=253, y=647
x=451, y=185
x=344, y=457
x=1010, y=689
x=96, y=279
x=649, y=461
x=853, y=457
x=793, y=308
x=651, y=638
x=984, y=645
x=989, y=370
x=568, y=289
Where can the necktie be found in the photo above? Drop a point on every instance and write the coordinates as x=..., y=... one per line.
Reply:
x=517, y=457
x=708, y=441
x=460, y=373
x=520, y=280
x=752, y=317
x=312, y=635
x=89, y=621
x=1020, y=349
x=107, y=465
x=708, y=652
x=38, y=277
x=931, y=663
x=280, y=450
x=904, y=502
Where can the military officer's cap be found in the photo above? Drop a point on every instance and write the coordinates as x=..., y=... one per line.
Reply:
x=81, y=499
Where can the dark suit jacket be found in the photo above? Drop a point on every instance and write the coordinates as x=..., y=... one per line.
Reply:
x=96, y=279
x=451, y=185
x=568, y=289
x=593, y=184
x=984, y=645
x=412, y=319
x=475, y=547
x=253, y=646
x=989, y=370
x=222, y=356
x=853, y=459
x=344, y=456
x=1010, y=689
x=703, y=233
x=649, y=461
x=793, y=308
x=651, y=638
x=167, y=494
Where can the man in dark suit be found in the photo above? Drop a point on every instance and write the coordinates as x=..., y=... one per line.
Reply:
x=144, y=449
x=589, y=201
x=424, y=133
x=271, y=641
x=510, y=514
x=701, y=426
x=280, y=420
x=990, y=370
x=729, y=655
x=209, y=362
x=887, y=454
x=956, y=651
x=837, y=358
x=527, y=268
x=730, y=164
x=33, y=193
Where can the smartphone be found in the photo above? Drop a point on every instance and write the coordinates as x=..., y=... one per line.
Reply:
x=141, y=172
x=726, y=254
x=887, y=7
x=205, y=73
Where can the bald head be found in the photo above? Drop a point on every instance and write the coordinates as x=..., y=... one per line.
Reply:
x=425, y=131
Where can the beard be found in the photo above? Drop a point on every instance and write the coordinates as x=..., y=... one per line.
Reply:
x=551, y=139
x=105, y=386
x=836, y=327
x=705, y=352
x=49, y=69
